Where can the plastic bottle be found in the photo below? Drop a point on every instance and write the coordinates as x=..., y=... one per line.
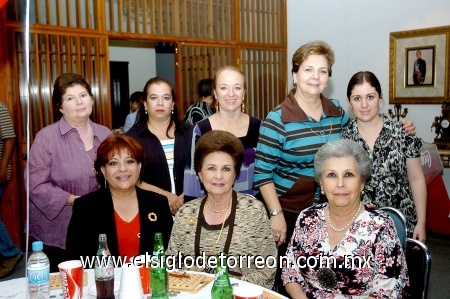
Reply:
x=38, y=272
x=104, y=270
x=221, y=288
x=159, y=277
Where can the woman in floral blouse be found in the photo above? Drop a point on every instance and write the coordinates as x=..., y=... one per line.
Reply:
x=344, y=248
x=397, y=178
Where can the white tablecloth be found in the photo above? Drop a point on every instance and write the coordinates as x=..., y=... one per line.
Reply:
x=17, y=289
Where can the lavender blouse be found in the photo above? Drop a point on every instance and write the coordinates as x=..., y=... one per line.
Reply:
x=59, y=166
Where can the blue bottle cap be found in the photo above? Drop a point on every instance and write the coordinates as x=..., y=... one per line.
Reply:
x=37, y=245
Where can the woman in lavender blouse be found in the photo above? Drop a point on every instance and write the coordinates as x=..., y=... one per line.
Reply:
x=61, y=164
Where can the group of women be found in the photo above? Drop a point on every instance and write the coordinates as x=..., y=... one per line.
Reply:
x=318, y=190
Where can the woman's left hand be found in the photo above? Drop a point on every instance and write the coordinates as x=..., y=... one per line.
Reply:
x=420, y=233
x=409, y=127
x=175, y=201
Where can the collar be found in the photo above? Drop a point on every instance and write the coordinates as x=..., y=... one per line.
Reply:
x=65, y=127
x=291, y=111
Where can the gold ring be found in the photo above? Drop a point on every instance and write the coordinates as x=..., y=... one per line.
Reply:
x=277, y=235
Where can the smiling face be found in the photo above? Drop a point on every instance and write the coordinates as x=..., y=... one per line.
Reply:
x=121, y=171
x=230, y=90
x=76, y=104
x=312, y=75
x=217, y=173
x=159, y=102
x=341, y=182
x=365, y=102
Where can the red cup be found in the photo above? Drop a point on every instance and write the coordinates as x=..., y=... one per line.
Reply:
x=144, y=270
x=72, y=279
x=247, y=292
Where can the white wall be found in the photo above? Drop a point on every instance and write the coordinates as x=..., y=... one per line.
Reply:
x=141, y=58
x=358, y=31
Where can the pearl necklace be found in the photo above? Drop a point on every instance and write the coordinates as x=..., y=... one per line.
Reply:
x=345, y=227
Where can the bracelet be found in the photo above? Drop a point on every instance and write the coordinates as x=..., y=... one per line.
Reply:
x=160, y=191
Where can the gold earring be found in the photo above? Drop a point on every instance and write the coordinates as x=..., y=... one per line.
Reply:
x=321, y=191
x=106, y=184
x=217, y=107
x=243, y=107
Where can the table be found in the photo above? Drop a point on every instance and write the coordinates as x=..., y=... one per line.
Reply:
x=17, y=288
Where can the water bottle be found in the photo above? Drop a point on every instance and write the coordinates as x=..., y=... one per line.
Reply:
x=104, y=270
x=38, y=273
x=221, y=288
x=159, y=277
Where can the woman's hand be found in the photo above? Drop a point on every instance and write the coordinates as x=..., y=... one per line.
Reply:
x=278, y=226
x=409, y=127
x=420, y=233
x=71, y=200
x=175, y=201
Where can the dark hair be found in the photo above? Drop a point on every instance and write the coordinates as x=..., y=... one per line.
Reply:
x=65, y=81
x=219, y=141
x=142, y=117
x=228, y=68
x=204, y=87
x=312, y=48
x=361, y=77
x=339, y=149
x=113, y=145
x=136, y=96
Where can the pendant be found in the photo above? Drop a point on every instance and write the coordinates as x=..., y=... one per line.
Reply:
x=93, y=170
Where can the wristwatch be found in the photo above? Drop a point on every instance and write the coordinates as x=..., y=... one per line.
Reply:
x=276, y=212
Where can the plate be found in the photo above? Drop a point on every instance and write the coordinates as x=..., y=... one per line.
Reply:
x=93, y=289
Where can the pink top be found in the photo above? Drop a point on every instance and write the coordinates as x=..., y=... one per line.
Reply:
x=58, y=167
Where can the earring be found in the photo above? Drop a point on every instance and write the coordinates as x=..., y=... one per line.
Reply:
x=321, y=191
x=217, y=107
x=172, y=111
x=294, y=83
x=106, y=184
x=362, y=192
x=243, y=107
x=145, y=111
x=326, y=86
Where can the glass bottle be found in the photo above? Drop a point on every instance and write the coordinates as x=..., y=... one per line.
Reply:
x=222, y=288
x=104, y=270
x=159, y=277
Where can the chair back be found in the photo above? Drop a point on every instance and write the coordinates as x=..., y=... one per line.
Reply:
x=400, y=224
x=418, y=258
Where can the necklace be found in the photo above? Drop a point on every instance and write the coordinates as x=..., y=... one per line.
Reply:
x=322, y=132
x=223, y=222
x=345, y=227
x=215, y=211
x=223, y=128
x=92, y=162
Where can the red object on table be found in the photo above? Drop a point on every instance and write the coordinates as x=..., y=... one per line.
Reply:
x=438, y=206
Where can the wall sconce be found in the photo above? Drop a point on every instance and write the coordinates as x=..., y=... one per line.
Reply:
x=398, y=114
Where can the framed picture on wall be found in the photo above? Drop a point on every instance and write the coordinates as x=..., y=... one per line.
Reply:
x=419, y=66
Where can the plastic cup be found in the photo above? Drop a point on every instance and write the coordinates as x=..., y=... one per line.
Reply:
x=130, y=282
x=143, y=264
x=72, y=279
x=247, y=292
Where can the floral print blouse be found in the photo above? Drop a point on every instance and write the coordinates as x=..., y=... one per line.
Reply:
x=367, y=261
x=388, y=185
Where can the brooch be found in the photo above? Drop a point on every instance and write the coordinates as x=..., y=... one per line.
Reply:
x=191, y=220
x=327, y=278
x=152, y=217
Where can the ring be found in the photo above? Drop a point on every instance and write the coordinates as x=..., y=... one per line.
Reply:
x=277, y=235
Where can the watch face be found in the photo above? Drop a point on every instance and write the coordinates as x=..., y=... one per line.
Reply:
x=445, y=123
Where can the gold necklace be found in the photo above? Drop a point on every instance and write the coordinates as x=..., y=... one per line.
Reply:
x=215, y=211
x=348, y=224
x=223, y=222
x=322, y=132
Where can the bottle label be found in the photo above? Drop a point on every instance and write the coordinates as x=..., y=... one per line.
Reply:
x=38, y=276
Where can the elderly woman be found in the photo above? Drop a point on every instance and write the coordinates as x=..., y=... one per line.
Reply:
x=389, y=147
x=343, y=248
x=128, y=215
x=224, y=220
x=61, y=164
x=165, y=140
x=229, y=89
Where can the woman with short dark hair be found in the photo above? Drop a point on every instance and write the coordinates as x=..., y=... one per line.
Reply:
x=224, y=220
x=129, y=216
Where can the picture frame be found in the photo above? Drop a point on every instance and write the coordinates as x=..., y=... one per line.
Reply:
x=419, y=63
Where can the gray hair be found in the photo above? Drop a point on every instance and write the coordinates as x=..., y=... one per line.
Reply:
x=339, y=149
